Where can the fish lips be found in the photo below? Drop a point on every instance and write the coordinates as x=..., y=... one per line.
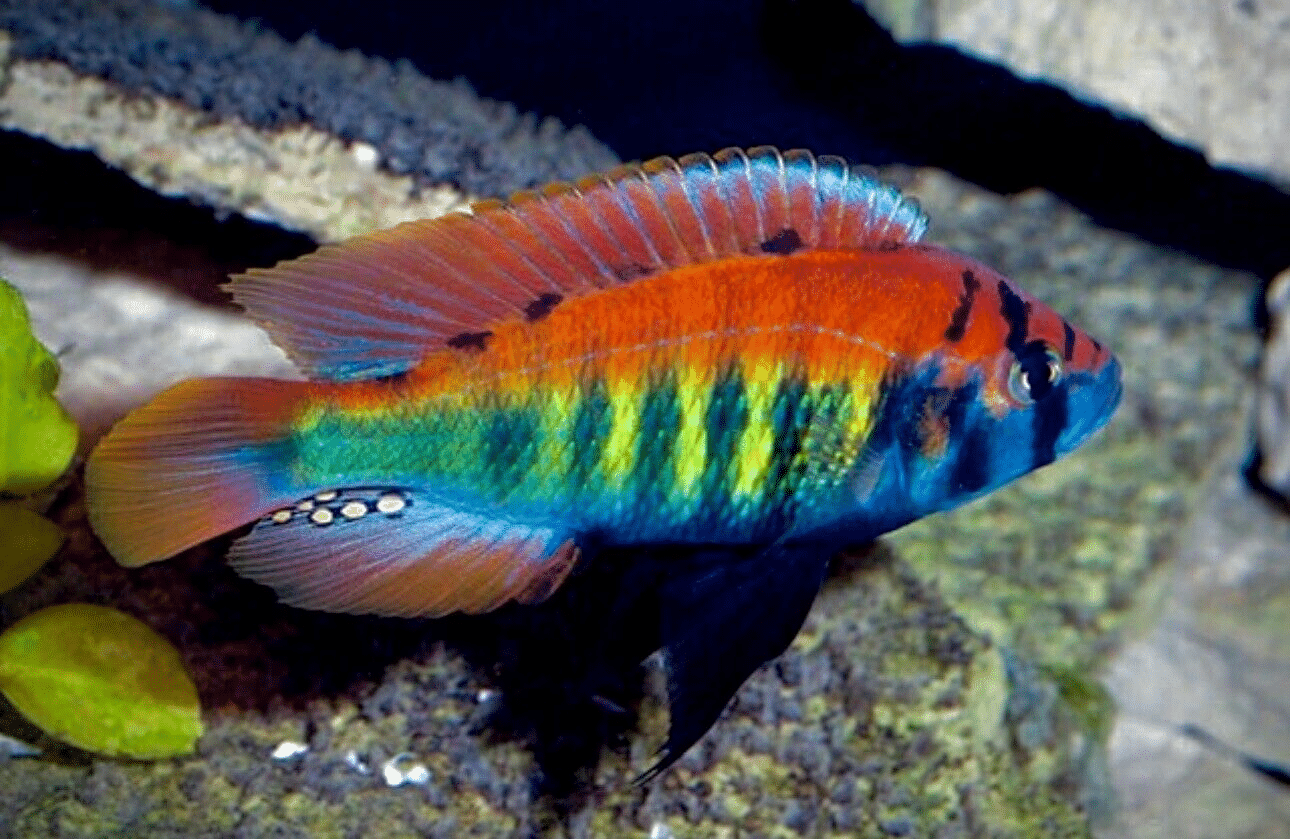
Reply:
x=1092, y=399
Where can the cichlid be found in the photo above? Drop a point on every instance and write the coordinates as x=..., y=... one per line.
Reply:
x=746, y=355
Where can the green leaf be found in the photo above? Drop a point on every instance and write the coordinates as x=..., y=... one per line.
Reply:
x=26, y=541
x=37, y=437
x=100, y=680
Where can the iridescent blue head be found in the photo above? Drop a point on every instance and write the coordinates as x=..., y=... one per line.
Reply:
x=1011, y=387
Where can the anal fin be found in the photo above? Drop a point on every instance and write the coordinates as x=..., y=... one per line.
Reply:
x=722, y=617
x=399, y=552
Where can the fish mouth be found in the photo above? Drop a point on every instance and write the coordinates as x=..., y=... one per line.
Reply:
x=1094, y=413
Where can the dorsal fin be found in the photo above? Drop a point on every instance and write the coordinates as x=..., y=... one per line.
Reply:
x=375, y=305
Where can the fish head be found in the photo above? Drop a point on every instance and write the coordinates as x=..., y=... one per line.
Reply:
x=1008, y=386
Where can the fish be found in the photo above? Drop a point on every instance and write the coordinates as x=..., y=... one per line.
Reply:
x=749, y=358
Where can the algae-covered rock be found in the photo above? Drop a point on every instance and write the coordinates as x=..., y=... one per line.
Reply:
x=100, y=680
x=37, y=437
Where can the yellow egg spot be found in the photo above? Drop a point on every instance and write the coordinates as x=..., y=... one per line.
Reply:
x=322, y=516
x=329, y=495
x=390, y=503
x=354, y=510
x=281, y=516
x=305, y=506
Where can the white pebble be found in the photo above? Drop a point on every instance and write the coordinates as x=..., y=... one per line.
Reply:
x=396, y=775
x=288, y=749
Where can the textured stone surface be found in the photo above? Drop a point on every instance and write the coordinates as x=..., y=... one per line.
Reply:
x=1274, y=390
x=1213, y=75
x=1215, y=657
x=297, y=177
x=436, y=132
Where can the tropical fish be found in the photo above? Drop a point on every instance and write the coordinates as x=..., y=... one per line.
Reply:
x=748, y=356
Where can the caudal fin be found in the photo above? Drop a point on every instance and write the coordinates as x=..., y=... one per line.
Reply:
x=195, y=462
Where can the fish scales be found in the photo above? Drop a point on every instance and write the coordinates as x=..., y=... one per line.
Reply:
x=652, y=422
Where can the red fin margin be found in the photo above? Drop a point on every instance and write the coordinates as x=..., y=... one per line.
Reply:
x=377, y=304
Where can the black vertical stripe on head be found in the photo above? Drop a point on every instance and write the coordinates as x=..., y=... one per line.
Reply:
x=1049, y=421
x=1068, y=349
x=958, y=321
x=785, y=242
x=725, y=423
x=660, y=419
x=592, y=424
x=972, y=468
x=1016, y=313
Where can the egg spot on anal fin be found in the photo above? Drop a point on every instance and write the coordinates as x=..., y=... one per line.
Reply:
x=784, y=243
x=401, y=552
x=477, y=341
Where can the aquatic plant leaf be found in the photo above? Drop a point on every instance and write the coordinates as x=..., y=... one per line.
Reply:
x=37, y=437
x=100, y=680
x=26, y=541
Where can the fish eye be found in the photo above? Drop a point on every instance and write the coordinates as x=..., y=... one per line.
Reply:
x=1037, y=370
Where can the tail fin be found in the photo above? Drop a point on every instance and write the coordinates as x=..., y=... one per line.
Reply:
x=195, y=462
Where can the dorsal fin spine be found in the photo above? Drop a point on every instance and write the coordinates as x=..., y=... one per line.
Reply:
x=737, y=159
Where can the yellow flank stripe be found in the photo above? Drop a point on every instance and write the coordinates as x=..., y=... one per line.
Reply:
x=864, y=396
x=618, y=457
x=694, y=386
x=757, y=443
x=842, y=444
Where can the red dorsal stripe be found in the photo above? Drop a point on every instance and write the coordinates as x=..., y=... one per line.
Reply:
x=375, y=305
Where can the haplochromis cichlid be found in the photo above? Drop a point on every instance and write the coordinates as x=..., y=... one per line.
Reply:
x=748, y=352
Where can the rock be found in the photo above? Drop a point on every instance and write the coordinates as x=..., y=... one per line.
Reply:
x=218, y=111
x=1215, y=76
x=1274, y=390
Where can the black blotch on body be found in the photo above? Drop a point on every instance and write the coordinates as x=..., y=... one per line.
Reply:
x=958, y=321
x=1068, y=348
x=477, y=341
x=1016, y=313
x=541, y=307
x=785, y=242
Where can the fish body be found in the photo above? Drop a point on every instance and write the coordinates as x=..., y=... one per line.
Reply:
x=749, y=350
